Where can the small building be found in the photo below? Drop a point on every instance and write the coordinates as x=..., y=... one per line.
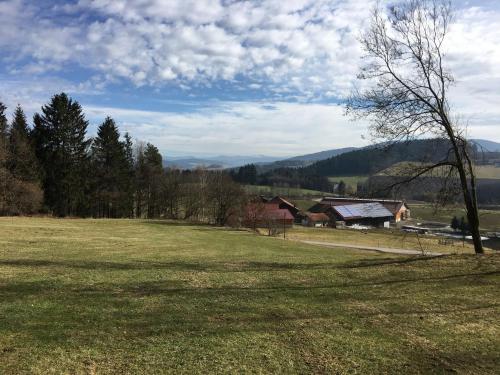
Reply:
x=287, y=205
x=317, y=220
x=264, y=215
x=369, y=214
x=399, y=209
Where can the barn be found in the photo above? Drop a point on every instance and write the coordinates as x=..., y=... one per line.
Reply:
x=369, y=214
x=399, y=209
x=286, y=205
x=263, y=215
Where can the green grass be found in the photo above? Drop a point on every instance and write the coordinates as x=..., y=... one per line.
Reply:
x=403, y=168
x=390, y=238
x=284, y=191
x=489, y=219
x=139, y=297
x=304, y=204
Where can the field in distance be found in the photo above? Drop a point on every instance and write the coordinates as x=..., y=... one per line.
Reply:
x=142, y=297
x=272, y=191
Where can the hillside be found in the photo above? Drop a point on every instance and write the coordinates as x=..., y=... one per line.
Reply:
x=304, y=160
x=370, y=160
x=155, y=297
x=321, y=155
x=488, y=146
x=482, y=171
x=217, y=162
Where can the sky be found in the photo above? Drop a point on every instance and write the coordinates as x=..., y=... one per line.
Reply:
x=225, y=77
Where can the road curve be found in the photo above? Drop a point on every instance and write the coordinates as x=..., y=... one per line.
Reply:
x=372, y=248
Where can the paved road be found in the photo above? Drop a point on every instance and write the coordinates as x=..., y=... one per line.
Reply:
x=372, y=248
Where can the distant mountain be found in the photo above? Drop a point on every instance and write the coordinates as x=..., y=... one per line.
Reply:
x=263, y=162
x=305, y=160
x=216, y=162
x=192, y=163
x=487, y=145
x=321, y=155
x=370, y=160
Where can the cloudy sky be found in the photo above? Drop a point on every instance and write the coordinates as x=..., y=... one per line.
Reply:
x=227, y=77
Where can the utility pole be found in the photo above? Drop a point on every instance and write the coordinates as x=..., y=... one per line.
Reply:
x=284, y=226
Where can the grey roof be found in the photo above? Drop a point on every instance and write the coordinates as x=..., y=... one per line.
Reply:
x=362, y=210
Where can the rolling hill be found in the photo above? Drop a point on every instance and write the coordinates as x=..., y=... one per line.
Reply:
x=486, y=145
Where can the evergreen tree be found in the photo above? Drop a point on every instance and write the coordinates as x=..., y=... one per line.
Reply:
x=154, y=173
x=109, y=162
x=19, y=189
x=62, y=150
x=22, y=159
x=3, y=125
x=247, y=174
x=129, y=176
x=4, y=172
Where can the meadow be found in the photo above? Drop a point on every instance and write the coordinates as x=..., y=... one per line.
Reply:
x=141, y=297
x=272, y=191
x=489, y=219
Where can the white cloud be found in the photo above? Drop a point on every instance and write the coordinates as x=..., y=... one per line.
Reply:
x=282, y=129
x=158, y=42
x=301, y=49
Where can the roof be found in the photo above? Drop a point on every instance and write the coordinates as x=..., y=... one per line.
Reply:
x=317, y=217
x=279, y=214
x=320, y=208
x=283, y=200
x=268, y=211
x=362, y=211
x=392, y=205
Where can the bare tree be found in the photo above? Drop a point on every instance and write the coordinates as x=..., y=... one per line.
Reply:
x=407, y=92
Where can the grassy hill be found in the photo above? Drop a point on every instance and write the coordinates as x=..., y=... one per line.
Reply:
x=142, y=297
x=272, y=191
x=401, y=168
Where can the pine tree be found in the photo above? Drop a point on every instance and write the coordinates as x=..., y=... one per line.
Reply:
x=129, y=176
x=22, y=159
x=20, y=192
x=154, y=173
x=148, y=174
x=111, y=171
x=62, y=149
x=4, y=172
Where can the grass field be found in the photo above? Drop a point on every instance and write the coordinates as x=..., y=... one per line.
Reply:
x=380, y=238
x=283, y=191
x=489, y=219
x=152, y=297
x=482, y=171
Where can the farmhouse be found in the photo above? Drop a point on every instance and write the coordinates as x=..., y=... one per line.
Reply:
x=316, y=220
x=264, y=215
x=286, y=205
x=399, y=209
x=371, y=214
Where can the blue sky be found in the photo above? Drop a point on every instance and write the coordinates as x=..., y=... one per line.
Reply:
x=199, y=77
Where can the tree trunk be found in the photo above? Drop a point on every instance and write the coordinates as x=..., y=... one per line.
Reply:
x=470, y=201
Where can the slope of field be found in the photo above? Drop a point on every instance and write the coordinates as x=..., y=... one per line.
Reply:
x=489, y=219
x=273, y=191
x=139, y=297
x=405, y=169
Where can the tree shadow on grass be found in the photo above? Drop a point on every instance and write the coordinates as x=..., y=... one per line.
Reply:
x=225, y=267
x=176, y=265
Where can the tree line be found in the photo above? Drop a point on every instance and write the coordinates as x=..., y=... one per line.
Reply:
x=53, y=167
